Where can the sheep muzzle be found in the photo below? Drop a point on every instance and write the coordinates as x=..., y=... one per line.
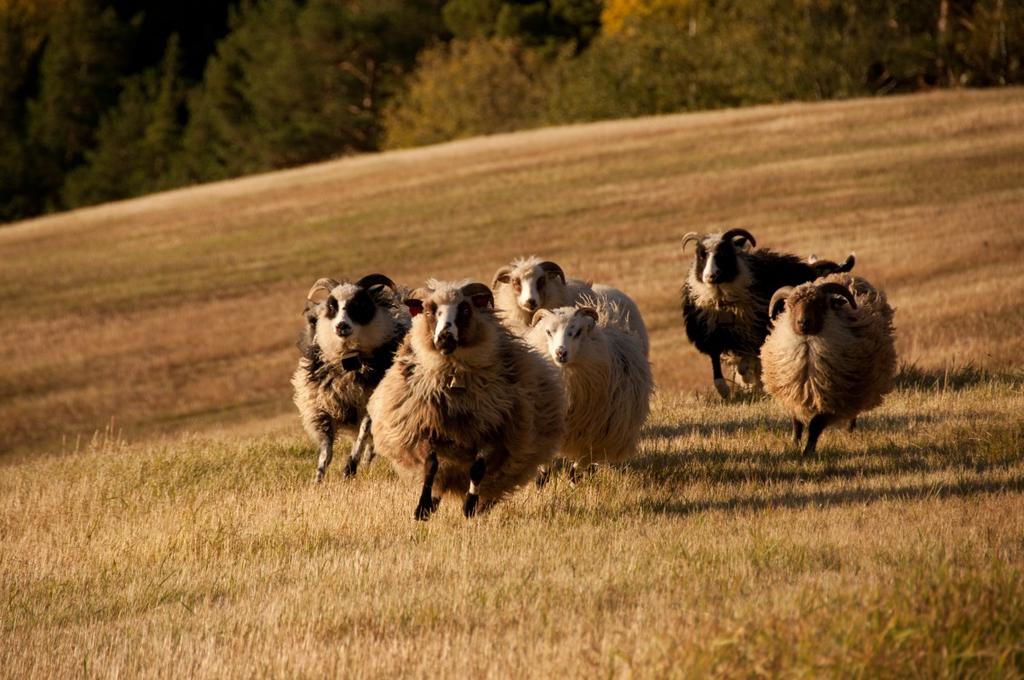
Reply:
x=445, y=342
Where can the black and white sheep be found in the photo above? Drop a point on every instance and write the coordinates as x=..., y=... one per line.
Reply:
x=830, y=355
x=467, y=406
x=725, y=297
x=607, y=380
x=528, y=284
x=352, y=332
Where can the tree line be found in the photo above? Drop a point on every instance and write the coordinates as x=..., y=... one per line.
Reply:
x=101, y=100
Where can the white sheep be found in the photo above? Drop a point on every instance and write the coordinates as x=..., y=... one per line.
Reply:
x=351, y=334
x=529, y=284
x=467, y=405
x=831, y=354
x=607, y=380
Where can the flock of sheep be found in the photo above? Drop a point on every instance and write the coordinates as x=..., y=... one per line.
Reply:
x=474, y=390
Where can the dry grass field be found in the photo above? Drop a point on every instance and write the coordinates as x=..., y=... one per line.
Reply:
x=157, y=515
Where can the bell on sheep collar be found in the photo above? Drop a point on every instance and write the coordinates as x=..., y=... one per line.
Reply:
x=351, y=361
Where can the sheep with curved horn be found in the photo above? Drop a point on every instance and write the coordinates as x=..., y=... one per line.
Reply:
x=352, y=332
x=467, y=408
x=725, y=297
x=831, y=354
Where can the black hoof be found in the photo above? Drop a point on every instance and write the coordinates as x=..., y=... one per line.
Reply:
x=469, y=507
x=319, y=476
x=351, y=467
x=542, y=478
x=423, y=511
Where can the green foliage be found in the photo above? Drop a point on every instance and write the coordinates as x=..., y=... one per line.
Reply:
x=470, y=88
x=17, y=174
x=79, y=76
x=533, y=22
x=297, y=83
x=89, y=112
x=138, y=141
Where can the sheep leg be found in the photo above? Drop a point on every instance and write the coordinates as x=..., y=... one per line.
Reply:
x=476, y=475
x=716, y=372
x=326, y=451
x=798, y=430
x=543, y=473
x=853, y=424
x=427, y=504
x=814, y=429
x=362, y=439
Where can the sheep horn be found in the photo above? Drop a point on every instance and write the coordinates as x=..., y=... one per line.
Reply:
x=746, y=235
x=551, y=268
x=692, y=236
x=832, y=288
x=588, y=311
x=371, y=280
x=501, y=276
x=324, y=285
x=476, y=290
x=780, y=296
x=538, y=315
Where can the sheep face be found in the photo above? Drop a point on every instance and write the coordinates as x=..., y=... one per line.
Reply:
x=450, y=318
x=347, y=318
x=531, y=279
x=563, y=331
x=811, y=306
x=717, y=261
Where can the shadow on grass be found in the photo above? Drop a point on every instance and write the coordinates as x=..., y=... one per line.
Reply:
x=776, y=425
x=797, y=500
x=999, y=448
x=951, y=378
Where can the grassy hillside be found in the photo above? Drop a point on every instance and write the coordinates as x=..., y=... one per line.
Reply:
x=195, y=544
x=181, y=309
x=897, y=553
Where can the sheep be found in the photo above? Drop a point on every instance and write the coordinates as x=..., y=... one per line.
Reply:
x=724, y=298
x=466, y=404
x=830, y=355
x=352, y=332
x=529, y=284
x=607, y=380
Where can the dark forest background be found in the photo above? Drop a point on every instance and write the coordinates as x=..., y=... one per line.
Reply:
x=101, y=100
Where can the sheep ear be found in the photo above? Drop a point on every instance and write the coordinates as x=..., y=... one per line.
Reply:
x=503, y=275
x=590, y=315
x=321, y=289
x=538, y=315
x=415, y=300
x=414, y=305
x=480, y=294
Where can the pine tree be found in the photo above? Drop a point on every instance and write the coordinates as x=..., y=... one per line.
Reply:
x=138, y=141
x=80, y=75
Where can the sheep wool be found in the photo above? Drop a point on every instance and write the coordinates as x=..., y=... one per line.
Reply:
x=844, y=369
x=607, y=379
x=479, y=390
